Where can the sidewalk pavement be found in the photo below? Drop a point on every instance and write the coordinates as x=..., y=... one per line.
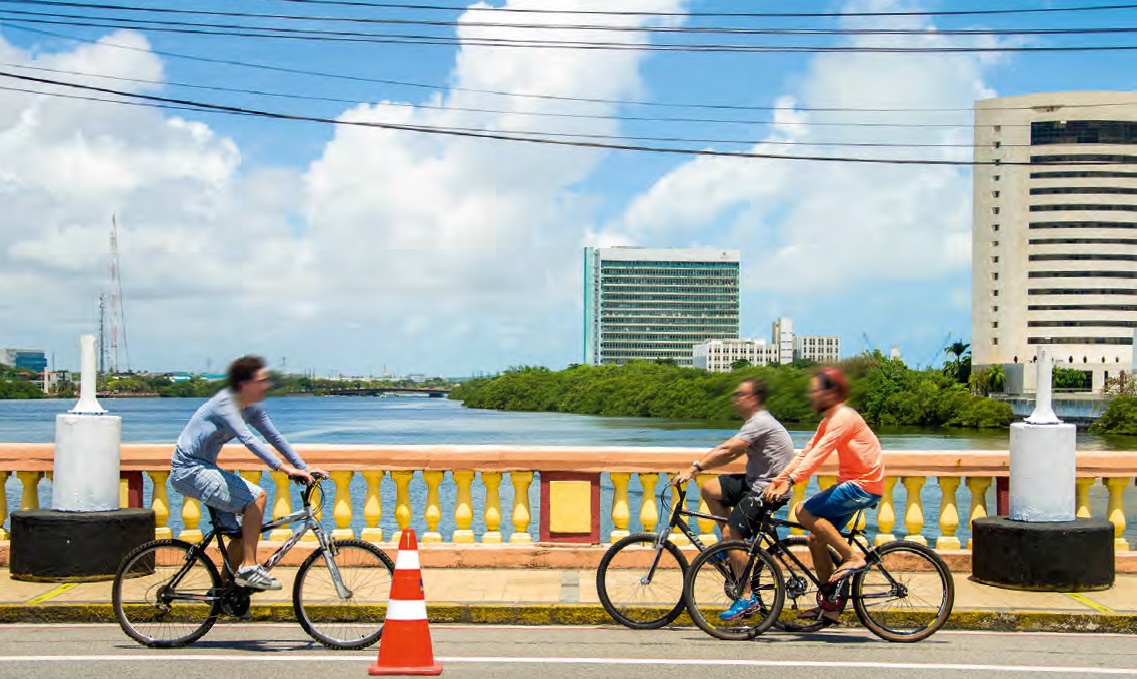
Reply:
x=568, y=596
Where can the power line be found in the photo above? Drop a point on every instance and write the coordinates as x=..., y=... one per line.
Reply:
x=426, y=129
x=233, y=30
x=502, y=93
x=445, y=8
x=687, y=30
x=539, y=133
x=544, y=114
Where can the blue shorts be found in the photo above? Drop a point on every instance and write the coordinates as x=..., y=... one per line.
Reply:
x=839, y=503
x=225, y=492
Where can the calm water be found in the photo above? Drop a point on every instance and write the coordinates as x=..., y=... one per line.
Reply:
x=418, y=420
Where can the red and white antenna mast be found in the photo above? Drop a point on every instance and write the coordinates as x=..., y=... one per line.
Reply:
x=117, y=311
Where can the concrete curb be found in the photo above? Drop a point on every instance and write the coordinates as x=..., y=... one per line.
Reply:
x=590, y=614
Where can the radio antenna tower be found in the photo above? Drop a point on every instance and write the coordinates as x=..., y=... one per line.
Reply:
x=117, y=310
x=102, y=370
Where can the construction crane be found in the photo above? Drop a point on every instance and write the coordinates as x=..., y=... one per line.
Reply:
x=869, y=346
x=939, y=350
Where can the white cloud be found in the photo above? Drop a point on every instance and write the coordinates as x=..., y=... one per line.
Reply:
x=814, y=226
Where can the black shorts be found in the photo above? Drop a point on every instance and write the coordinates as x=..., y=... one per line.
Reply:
x=747, y=508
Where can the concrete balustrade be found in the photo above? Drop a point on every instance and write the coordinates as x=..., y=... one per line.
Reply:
x=633, y=473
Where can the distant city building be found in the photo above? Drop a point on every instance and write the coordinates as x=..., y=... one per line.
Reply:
x=1053, y=254
x=657, y=304
x=31, y=360
x=720, y=355
x=53, y=380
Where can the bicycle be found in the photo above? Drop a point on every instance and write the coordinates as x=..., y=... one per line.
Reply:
x=901, y=573
x=168, y=593
x=644, y=590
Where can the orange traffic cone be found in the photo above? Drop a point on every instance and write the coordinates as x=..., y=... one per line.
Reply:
x=405, y=646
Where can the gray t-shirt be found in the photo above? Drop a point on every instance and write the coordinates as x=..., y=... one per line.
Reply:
x=771, y=449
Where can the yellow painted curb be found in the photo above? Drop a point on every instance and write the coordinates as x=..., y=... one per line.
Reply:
x=591, y=614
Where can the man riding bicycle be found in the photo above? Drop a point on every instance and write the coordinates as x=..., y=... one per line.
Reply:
x=194, y=471
x=860, y=479
x=768, y=448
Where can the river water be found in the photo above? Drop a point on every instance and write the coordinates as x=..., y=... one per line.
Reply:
x=420, y=420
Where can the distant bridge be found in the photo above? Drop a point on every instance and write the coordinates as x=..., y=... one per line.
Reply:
x=432, y=392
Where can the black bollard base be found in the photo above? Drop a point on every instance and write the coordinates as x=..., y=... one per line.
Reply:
x=54, y=546
x=1051, y=556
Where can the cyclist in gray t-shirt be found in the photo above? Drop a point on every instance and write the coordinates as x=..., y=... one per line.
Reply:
x=768, y=448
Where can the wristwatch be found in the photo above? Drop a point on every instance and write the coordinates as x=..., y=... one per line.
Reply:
x=696, y=465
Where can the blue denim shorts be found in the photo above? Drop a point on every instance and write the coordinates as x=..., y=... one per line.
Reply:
x=227, y=493
x=839, y=503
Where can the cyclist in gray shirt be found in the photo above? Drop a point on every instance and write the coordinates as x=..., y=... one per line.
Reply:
x=768, y=448
x=194, y=471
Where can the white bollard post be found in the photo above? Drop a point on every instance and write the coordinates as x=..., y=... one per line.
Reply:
x=1043, y=459
x=87, y=447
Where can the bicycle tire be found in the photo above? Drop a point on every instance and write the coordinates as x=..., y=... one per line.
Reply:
x=335, y=622
x=920, y=619
x=143, y=573
x=614, y=584
x=708, y=588
x=810, y=595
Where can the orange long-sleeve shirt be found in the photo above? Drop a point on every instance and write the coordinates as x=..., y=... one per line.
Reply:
x=859, y=457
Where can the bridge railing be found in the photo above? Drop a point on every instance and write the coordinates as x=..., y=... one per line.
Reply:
x=493, y=494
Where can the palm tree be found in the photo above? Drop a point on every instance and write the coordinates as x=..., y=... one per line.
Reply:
x=957, y=350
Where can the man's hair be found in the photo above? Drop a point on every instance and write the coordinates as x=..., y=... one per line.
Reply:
x=831, y=378
x=757, y=387
x=244, y=369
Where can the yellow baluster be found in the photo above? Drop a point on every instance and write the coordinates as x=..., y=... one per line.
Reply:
x=281, y=505
x=1082, y=486
x=372, y=507
x=492, y=512
x=463, y=507
x=402, y=502
x=677, y=535
x=341, y=511
x=3, y=505
x=649, y=508
x=797, y=496
x=30, y=497
x=620, y=511
x=826, y=482
x=914, y=512
x=521, y=481
x=706, y=526
x=123, y=492
x=1116, y=512
x=191, y=516
x=886, y=514
x=978, y=486
x=949, y=513
x=433, y=511
x=160, y=503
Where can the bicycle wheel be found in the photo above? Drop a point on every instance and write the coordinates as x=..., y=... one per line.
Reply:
x=712, y=587
x=801, y=593
x=641, y=587
x=907, y=594
x=355, y=621
x=162, y=597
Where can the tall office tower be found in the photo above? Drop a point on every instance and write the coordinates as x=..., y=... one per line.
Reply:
x=1054, y=238
x=657, y=303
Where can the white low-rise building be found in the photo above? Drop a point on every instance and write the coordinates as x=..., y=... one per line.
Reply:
x=720, y=355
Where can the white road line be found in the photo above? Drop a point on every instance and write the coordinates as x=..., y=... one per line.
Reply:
x=329, y=657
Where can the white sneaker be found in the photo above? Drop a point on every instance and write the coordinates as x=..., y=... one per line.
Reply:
x=256, y=577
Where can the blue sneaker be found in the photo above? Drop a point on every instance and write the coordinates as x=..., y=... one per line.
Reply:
x=740, y=608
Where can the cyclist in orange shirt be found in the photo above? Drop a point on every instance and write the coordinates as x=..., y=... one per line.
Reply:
x=860, y=477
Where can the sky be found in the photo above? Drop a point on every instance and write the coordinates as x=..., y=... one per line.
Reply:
x=346, y=248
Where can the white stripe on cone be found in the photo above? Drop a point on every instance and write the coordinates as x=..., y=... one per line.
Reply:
x=407, y=560
x=406, y=610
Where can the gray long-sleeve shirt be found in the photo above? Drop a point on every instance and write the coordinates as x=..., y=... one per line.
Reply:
x=219, y=421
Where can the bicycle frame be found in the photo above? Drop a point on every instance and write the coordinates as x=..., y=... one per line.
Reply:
x=307, y=515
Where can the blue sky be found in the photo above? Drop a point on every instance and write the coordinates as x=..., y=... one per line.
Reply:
x=356, y=250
